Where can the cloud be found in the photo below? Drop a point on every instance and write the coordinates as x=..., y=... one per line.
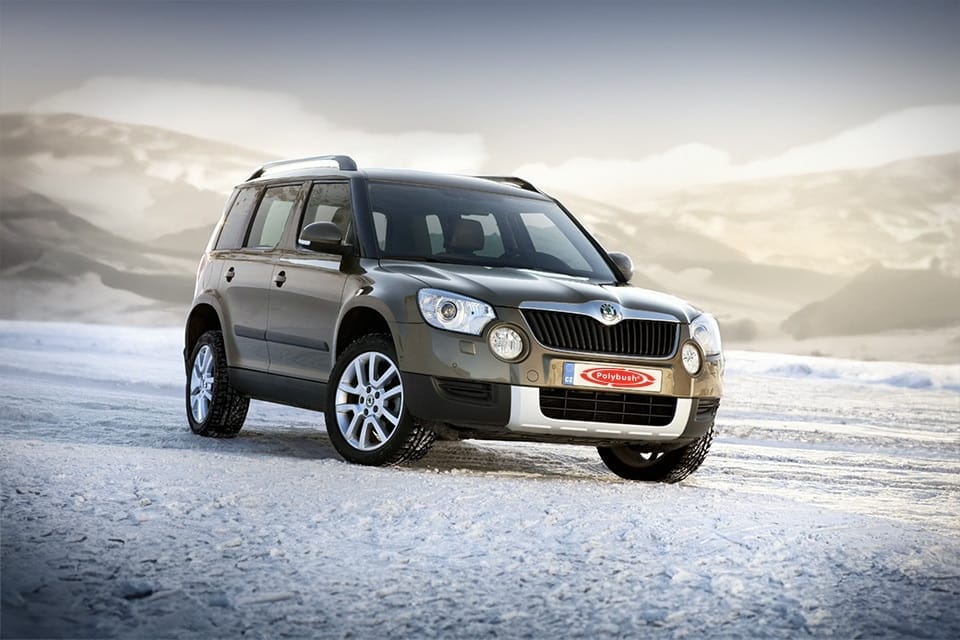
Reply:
x=282, y=126
x=620, y=180
x=915, y=132
x=911, y=133
x=275, y=123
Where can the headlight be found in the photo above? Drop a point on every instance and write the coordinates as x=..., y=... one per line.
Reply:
x=706, y=332
x=506, y=342
x=453, y=312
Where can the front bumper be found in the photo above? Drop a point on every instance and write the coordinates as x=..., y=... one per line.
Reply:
x=491, y=410
x=454, y=379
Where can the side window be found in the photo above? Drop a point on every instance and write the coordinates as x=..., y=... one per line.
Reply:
x=329, y=202
x=271, y=217
x=238, y=218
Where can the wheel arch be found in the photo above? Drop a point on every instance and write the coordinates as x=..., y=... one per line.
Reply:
x=203, y=317
x=358, y=321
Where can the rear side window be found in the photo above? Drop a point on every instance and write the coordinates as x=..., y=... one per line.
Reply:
x=238, y=218
x=272, y=216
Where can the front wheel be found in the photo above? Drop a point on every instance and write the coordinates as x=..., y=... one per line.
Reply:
x=366, y=414
x=642, y=462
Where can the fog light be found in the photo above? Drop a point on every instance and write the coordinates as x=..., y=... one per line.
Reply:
x=506, y=343
x=691, y=358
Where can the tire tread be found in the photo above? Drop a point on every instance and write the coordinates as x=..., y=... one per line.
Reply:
x=672, y=467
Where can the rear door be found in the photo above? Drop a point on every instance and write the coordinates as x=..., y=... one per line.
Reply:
x=248, y=271
x=307, y=289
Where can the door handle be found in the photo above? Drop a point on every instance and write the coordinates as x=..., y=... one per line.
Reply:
x=230, y=273
x=281, y=278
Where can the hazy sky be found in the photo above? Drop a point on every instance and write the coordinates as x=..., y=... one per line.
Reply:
x=529, y=82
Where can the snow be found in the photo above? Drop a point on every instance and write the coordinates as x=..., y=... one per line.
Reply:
x=896, y=374
x=827, y=507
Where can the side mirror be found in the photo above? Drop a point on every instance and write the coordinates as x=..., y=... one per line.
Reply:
x=624, y=264
x=324, y=237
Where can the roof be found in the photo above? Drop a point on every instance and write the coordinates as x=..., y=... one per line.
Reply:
x=300, y=168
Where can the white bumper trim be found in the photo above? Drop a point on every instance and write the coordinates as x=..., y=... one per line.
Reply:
x=526, y=417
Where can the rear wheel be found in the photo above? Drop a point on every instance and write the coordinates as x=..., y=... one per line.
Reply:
x=366, y=416
x=642, y=462
x=214, y=408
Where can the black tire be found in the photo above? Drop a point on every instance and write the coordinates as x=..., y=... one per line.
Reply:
x=368, y=410
x=226, y=407
x=641, y=462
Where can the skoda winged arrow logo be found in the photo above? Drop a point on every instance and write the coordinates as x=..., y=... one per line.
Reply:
x=610, y=314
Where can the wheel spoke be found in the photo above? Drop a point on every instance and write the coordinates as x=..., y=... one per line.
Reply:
x=350, y=433
x=394, y=419
x=392, y=391
x=358, y=370
x=372, y=370
x=346, y=388
x=379, y=430
x=346, y=406
x=389, y=373
x=365, y=435
x=200, y=412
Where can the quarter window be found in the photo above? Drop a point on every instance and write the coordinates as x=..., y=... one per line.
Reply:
x=238, y=218
x=271, y=217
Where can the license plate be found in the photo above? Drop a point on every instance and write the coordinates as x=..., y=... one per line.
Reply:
x=611, y=377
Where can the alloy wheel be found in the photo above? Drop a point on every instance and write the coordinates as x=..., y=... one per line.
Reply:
x=201, y=384
x=369, y=401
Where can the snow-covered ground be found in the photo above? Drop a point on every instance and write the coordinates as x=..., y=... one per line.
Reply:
x=830, y=505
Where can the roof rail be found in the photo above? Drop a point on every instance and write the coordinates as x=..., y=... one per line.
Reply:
x=513, y=180
x=345, y=163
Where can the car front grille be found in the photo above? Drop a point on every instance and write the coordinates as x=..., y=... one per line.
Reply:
x=575, y=332
x=605, y=406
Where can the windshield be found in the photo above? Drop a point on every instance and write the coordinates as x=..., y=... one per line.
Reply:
x=461, y=226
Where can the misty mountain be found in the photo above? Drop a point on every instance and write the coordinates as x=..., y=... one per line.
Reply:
x=903, y=215
x=189, y=242
x=879, y=300
x=45, y=251
x=707, y=271
x=136, y=181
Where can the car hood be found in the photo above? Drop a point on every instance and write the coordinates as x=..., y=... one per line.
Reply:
x=507, y=287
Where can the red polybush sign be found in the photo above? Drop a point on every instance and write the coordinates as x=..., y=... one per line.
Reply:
x=618, y=377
